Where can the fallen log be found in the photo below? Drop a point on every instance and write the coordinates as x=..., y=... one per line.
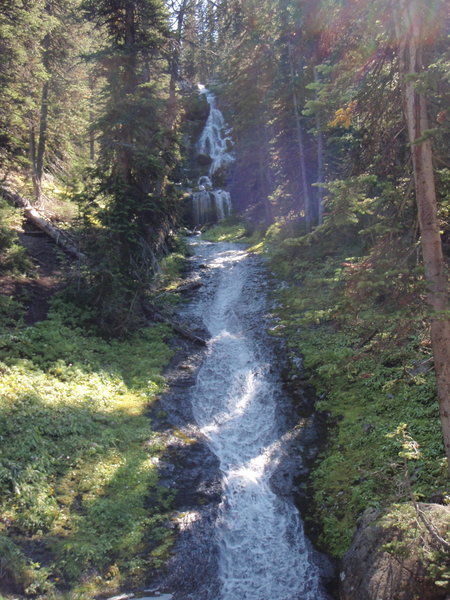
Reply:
x=60, y=237
x=188, y=287
x=152, y=312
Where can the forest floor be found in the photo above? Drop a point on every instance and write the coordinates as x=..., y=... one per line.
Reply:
x=77, y=437
x=35, y=288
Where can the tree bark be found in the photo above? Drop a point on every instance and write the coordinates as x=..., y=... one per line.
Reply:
x=36, y=184
x=410, y=33
x=42, y=132
x=43, y=122
x=320, y=158
x=301, y=146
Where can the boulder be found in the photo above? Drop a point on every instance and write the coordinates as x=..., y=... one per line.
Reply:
x=395, y=557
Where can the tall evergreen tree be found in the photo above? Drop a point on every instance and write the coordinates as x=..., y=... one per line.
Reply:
x=137, y=148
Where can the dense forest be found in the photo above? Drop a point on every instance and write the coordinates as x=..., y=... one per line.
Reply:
x=340, y=120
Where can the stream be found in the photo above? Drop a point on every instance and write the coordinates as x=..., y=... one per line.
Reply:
x=240, y=536
x=238, y=404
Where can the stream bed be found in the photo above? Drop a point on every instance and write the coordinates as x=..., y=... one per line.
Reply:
x=253, y=546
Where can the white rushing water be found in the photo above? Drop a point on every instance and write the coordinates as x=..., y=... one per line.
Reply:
x=211, y=203
x=263, y=551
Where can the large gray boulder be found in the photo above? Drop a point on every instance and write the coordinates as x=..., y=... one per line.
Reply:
x=394, y=556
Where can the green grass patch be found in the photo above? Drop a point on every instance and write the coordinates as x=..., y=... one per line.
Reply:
x=229, y=230
x=81, y=507
x=225, y=233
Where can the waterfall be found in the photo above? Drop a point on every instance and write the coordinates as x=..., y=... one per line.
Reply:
x=212, y=203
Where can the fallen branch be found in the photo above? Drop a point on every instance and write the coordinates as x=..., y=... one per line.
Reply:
x=152, y=312
x=60, y=237
x=188, y=287
x=431, y=528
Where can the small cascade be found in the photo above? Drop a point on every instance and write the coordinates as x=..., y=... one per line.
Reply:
x=238, y=403
x=211, y=203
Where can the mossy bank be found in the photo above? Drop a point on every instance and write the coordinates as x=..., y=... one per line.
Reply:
x=81, y=505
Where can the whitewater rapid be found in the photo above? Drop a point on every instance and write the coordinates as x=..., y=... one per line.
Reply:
x=263, y=552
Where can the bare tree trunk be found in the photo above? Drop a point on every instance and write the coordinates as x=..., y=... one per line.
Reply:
x=172, y=109
x=320, y=161
x=36, y=186
x=129, y=84
x=268, y=209
x=91, y=82
x=301, y=147
x=91, y=137
x=42, y=132
x=410, y=33
x=43, y=122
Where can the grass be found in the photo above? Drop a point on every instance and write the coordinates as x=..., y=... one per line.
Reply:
x=230, y=231
x=81, y=508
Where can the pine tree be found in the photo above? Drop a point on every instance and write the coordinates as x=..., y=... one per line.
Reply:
x=137, y=148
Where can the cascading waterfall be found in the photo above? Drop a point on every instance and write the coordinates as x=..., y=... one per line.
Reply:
x=264, y=554
x=210, y=203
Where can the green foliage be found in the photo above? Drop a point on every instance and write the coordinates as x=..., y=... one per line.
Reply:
x=406, y=530
x=129, y=207
x=233, y=230
x=13, y=257
x=357, y=322
x=78, y=466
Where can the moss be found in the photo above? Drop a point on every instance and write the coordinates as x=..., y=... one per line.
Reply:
x=365, y=348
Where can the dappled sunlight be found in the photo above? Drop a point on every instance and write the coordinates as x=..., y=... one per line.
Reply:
x=228, y=257
x=80, y=455
x=187, y=520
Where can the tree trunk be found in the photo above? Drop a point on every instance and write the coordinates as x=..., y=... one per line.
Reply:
x=36, y=185
x=320, y=161
x=410, y=32
x=43, y=122
x=129, y=85
x=42, y=132
x=301, y=147
x=172, y=108
x=91, y=82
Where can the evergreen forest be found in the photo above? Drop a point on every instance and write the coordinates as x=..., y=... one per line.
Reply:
x=339, y=178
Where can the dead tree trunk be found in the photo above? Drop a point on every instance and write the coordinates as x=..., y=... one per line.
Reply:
x=43, y=123
x=320, y=157
x=60, y=237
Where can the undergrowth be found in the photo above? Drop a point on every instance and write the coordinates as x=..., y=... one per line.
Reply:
x=357, y=319
x=231, y=230
x=81, y=507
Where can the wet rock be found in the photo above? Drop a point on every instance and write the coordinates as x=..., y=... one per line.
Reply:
x=192, y=571
x=204, y=160
x=391, y=555
x=368, y=427
x=191, y=470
